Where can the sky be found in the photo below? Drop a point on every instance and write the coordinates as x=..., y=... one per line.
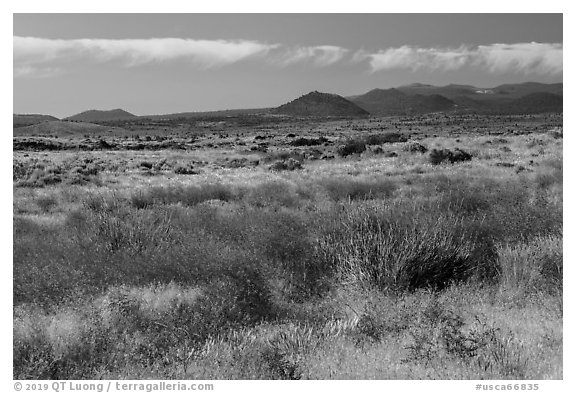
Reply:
x=169, y=63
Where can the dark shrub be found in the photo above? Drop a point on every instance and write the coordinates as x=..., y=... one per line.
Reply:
x=460, y=155
x=308, y=141
x=181, y=169
x=46, y=202
x=400, y=249
x=102, y=144
x=389, y=137
x=415, y=147
x=351, y=146
x=439, y=156
x=286, y=165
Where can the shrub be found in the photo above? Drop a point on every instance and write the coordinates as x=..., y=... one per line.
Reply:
x=308, y=141
x=181, y=169
x=415, y=147
x=286, y=165
x=439, y=156
x=389, y=137
x=352, y=146
x=397, y=250
x=46, y=202
x=146, y=164
x=444, y=155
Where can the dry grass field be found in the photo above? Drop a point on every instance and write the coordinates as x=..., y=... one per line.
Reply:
x=425, y=247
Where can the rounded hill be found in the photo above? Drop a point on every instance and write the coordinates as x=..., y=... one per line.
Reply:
x=98, y=115
x=321, y=104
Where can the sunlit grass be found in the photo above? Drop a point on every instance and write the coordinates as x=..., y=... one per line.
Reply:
x=364, y=267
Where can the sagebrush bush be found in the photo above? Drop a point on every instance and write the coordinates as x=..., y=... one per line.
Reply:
x=308, y=141
x=415, y=147
x=181, y=169
x=351, y=146
x=439, y=156
x=393, y=250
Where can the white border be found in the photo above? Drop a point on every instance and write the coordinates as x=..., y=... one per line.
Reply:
x=296, y=6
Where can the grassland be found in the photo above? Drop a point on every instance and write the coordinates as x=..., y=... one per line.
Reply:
x=383, y=248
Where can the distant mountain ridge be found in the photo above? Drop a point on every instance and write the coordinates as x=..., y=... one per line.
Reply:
x=510, y=90
x=393, y=101
x=420, y=98
x=415, y=98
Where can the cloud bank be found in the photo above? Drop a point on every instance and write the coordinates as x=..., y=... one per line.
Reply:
x=540, y=58
x=132, y=52
x=45, y=57
x=320, y=56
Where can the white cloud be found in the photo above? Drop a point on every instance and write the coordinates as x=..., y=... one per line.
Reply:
x=541, y=58
x=419, y=58
x=131, y=52
x=525, y=58
x=44, y=57
x=321, y=56
x=31, y=53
